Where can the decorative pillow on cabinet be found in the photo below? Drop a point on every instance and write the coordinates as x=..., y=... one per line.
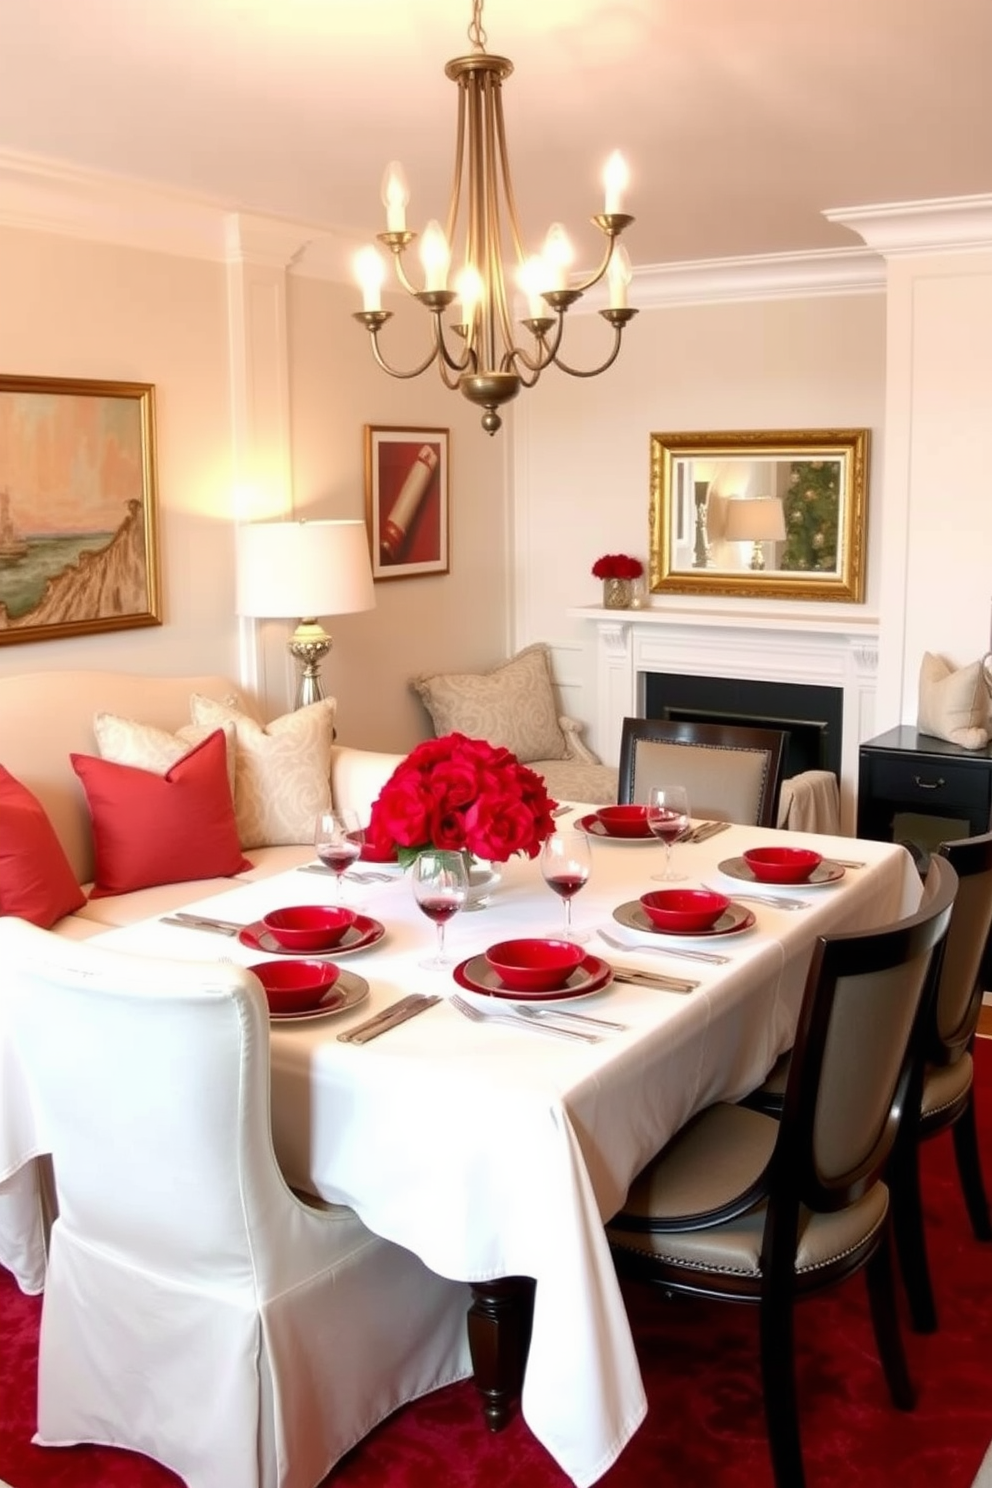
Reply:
x=954, y=703
x=512, y=706
x=282, y=769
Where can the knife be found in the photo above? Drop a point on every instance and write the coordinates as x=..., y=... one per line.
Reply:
x=708, y=830
x=648, y=979
x=396, y=1013
x=194, y=922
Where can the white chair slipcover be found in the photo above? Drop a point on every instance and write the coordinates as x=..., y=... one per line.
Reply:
x=194, y=1309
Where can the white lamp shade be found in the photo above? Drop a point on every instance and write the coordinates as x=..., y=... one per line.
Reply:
x=757, y=519
x=294, y=570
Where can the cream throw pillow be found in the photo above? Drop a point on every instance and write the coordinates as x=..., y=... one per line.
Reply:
x=513, y=705
x=953, y=703
x=283, y=770
x=126, y=742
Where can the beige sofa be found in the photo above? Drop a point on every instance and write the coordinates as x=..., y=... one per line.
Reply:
x=47, y=716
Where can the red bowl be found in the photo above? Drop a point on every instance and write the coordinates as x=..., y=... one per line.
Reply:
x=534, y=965
x=684, y=909
x=782, y=865
x=308, y=927
x=625, y=821
x=296, y=986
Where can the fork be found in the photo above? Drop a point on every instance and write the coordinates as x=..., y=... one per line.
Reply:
x=555, y=1030
x=772, y=900
x=527, y=1010
x=622, y=945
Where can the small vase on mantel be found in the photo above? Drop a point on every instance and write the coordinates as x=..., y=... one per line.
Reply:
x=618, y=594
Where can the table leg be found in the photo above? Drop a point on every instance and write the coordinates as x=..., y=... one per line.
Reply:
x=499, y=1324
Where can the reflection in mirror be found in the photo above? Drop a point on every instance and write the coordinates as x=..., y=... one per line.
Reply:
x=779, y=515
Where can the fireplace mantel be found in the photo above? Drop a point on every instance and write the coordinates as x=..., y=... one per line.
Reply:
x=763, y=645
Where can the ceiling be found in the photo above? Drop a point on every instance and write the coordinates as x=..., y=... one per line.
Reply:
x=742, y=120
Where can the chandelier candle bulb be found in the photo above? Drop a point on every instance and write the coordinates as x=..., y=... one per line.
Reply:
x=370, y=271
x=435, y=256
x=619, y=276
x=615, y=179
x=395, y=195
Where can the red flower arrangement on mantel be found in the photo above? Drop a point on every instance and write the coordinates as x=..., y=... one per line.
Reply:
x=462, y=795
x=617, y=566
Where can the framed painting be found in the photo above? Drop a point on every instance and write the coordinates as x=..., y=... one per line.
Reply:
x=406, y=501
x=78, y=543
x=759, y=514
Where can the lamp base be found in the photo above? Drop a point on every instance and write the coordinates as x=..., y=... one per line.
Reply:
x=309, y=644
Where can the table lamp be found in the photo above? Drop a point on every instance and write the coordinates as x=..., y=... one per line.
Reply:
x=300, y=570
x=756, y=520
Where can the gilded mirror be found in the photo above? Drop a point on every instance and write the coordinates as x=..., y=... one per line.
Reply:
x=755, y=514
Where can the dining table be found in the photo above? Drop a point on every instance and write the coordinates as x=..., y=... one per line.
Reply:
x=497, y=1150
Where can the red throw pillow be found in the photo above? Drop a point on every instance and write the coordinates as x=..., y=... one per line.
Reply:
x=154, y=829
x=36, y=881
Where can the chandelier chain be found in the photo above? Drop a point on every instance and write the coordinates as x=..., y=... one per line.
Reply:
x=476, y=30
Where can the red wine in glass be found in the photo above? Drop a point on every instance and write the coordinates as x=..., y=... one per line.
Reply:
x=440, y=887
x=565, y=864
x=668, y=817
x=337, y=841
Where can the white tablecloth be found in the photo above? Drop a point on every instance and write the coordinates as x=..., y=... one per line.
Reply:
x=493, y=1152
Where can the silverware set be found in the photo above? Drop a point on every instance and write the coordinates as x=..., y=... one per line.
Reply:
x=772, y=901
x=202, y=922
x=526, y=1021
x=704, y=831
x=389, y=1017
x=710, y=957
x=359, y=876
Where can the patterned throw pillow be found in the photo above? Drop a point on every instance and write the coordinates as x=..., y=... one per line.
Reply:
x=126, y=742
x=156, y=829
x=36, y=881
x=282, y=769
x=513, y=706
x=954, y=704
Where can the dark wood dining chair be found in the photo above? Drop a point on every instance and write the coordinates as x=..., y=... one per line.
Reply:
x=732, y=773
x=944, y=1092
x=741, y=1207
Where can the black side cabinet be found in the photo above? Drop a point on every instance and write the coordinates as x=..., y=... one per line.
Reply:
x=922, y=791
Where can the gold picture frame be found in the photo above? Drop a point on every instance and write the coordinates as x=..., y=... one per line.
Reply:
x=406, y=501
x=760, y=514
x=78, y=537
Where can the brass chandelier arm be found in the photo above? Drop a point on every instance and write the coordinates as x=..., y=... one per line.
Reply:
x=612, y=224
x=614, y=318
x=373, y=331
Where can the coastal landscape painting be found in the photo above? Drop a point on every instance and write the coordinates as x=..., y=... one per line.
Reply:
x=78, y=548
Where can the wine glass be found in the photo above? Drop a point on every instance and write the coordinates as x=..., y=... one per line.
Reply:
x=565, y=863
x=668, y=817
x=440, y=887
x=338, y=838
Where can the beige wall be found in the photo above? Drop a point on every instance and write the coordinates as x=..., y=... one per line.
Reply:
x=69, y=307
x=453, y=622
x=78, y=309
x=582, y=467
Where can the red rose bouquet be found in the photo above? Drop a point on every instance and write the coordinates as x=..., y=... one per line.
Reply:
x=617, y=566
x=462, y=795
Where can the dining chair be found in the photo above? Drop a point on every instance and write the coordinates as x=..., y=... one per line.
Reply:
x=943, y=1095
x=741, y=1207
x=194, y=1309
x=732, y=773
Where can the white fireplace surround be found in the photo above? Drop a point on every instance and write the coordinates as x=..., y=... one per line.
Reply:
x=759, y=645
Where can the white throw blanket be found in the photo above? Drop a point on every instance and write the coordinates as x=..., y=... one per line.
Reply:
x=810, y=802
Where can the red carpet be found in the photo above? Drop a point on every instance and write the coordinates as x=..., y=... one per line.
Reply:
x=705, y=1421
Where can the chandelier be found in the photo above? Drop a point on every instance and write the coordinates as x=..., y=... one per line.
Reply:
x=476, y=352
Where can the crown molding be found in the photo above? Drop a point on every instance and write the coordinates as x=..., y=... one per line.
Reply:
x=894, y=229
x=47, y=196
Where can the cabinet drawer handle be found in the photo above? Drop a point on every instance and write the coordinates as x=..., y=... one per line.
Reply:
x=929, y=784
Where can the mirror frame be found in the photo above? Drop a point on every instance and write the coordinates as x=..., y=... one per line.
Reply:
x=675, y=506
